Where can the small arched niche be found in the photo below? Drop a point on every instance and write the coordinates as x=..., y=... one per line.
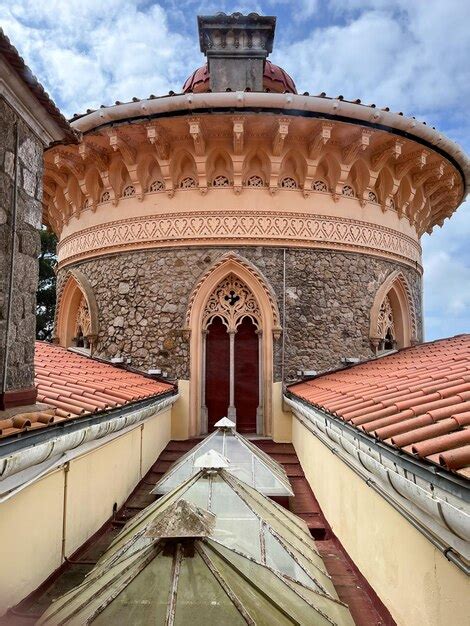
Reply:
x=219, y=170
x=77, y=314
x=256, y=170
x=393, y=316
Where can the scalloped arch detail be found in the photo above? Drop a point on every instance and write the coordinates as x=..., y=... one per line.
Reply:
x=232, y=260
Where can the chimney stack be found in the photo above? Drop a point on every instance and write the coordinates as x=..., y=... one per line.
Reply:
x=236, y=47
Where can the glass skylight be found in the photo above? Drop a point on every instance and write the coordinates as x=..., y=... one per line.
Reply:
x=173, y=580
x=247, y=462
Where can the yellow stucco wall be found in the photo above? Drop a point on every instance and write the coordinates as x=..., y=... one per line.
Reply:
x=412, y=578
x=180, y=412
x=69, y=505
x=282, y=420
x=31, y=537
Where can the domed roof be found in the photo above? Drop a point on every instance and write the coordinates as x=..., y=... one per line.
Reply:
x=274, y=79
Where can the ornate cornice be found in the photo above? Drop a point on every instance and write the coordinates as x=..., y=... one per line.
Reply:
x=171, y=155
x=240, y=228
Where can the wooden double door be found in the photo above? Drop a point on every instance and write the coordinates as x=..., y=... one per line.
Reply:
x=245, y=373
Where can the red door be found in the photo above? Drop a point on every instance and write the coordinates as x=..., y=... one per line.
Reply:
x=217, y=371
x=246, y=376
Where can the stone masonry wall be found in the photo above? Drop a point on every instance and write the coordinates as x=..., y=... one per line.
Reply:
x=22, y=329
x=142, y=299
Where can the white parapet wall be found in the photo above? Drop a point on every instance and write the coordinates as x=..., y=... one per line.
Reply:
x=413, y=578
x=47, y=520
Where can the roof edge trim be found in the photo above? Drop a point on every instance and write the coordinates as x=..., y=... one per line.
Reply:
x=288, y=104
x=445, y=528
x=56, y=445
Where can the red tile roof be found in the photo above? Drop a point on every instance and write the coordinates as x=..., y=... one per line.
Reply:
x=74, y=385
x=417, y=399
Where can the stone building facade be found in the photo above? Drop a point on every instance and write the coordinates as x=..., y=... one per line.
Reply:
x=142, y=300
x=235, y=239
x=29, y=122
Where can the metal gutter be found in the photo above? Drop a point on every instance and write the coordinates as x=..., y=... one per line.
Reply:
x=20, y=466
x=442, y=478
x=443, y=523
x=31, y=438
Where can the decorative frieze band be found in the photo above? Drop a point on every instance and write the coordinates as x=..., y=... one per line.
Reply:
x=235, y=227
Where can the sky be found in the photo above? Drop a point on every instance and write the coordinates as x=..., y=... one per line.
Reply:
x=410, y=55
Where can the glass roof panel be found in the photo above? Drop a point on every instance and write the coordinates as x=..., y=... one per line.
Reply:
x=200, y=599
x=247, y=462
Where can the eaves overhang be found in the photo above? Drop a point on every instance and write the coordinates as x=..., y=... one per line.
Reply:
x=33, y=454
x=434, y=501
x=439, y=476
x=335, y=109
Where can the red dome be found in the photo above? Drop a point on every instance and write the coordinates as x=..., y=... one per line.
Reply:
x=274, y=79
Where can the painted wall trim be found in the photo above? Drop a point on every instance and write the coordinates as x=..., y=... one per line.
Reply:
x=443, y=522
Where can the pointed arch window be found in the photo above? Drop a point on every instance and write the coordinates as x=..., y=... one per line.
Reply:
x=386, y=327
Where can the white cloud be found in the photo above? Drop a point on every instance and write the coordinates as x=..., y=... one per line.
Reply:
x=89, y=53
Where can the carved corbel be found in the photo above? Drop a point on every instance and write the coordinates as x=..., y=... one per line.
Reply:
x=69, y=162
x=351, y=151
x=430, y=171
x=432, y=186
x=277, y=332
x=238, y=135
x=321, y=137
x=157, y=137
x=390, y=150
x=119, y=143
x=97, y=157
x=280, y=136
x=415, y=160
x=195, y=130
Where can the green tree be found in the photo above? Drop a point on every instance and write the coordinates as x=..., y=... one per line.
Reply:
x=45, y=303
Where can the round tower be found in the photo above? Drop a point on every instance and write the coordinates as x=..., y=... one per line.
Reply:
x=239, y=233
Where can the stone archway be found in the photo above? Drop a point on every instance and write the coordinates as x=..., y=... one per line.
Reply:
x=77, y=313
x=232, y=291
x=393, y=322
x=232, y=307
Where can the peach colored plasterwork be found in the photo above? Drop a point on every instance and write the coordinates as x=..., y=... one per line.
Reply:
x=214, y=228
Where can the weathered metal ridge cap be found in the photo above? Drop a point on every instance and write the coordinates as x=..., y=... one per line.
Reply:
x=287, y=104
x=211, y=460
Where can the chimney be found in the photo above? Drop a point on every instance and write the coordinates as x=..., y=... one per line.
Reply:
x=236, y=47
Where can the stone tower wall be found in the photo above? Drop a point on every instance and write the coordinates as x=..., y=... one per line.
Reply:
x=22, y=325
x=142, y=300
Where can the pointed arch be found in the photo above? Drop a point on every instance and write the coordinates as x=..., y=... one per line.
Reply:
x=231, y=265
x=76, y=310
x=183, y=166
x=219, y=169
x=256, y=169
x=293, y=168
x=395, y=300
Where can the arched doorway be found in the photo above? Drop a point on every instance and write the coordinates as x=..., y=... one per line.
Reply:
x=252, y=298
x=231, y=356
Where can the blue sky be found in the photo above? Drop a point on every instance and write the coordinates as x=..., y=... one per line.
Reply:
x=410, y=55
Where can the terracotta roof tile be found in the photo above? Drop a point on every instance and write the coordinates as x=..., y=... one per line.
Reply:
x=417, y=399
x=74, y=385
